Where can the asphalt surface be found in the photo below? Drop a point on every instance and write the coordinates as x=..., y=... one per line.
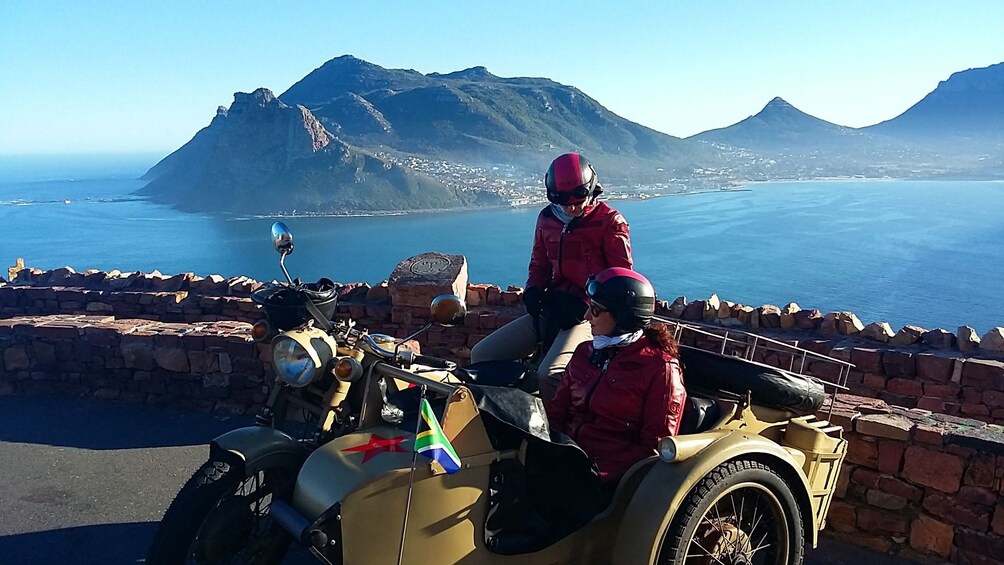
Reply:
x=85, y=481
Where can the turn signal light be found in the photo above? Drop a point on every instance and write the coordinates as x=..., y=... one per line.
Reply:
x=347, y=369
x=668, y=449
x=261, y=331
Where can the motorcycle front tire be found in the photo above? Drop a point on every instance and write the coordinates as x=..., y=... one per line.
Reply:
x=207, y=522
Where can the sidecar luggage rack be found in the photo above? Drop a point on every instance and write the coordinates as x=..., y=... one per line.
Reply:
x=757, y=348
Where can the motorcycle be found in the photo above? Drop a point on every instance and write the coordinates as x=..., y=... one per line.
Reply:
x=407, y=460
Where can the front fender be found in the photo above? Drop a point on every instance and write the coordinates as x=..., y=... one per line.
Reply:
x=664, y=488
x=259, y=446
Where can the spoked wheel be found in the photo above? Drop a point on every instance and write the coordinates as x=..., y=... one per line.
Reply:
x=742, y=513
x=221, y=516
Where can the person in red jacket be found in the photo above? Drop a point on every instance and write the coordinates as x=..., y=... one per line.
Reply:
x=576, y=236
x=624, y=390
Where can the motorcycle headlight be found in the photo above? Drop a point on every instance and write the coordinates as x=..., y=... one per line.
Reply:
x=300, y=356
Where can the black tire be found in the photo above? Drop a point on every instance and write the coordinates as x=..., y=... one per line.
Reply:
x=221, y=516
x=719, y=521
x=767, y=385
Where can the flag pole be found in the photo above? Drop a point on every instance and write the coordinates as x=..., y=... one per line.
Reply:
x=411, y=477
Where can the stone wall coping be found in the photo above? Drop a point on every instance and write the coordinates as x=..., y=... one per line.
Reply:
x=791, y=320
x=876, y=418
x=83, y=322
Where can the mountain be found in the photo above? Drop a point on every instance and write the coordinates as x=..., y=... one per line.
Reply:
x=475, y=116
x=781, y=127
x=967, y=106
x=263, y=156
x=782, y=141
x=354, y=136
x=960, y=123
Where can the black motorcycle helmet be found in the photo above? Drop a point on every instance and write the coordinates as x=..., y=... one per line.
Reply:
x=571, y=180
x=626, y=294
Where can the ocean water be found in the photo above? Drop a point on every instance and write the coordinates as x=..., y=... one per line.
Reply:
x=929, y=253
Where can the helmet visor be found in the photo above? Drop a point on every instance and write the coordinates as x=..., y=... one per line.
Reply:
x=566, y=197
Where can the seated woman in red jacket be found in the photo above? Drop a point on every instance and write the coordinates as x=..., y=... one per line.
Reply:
x=623, y=390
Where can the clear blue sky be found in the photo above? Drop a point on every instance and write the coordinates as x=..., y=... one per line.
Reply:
x=136, y=77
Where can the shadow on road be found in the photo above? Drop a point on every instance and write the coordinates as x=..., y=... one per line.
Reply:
x=84, y=545
x=96, y=545
x=77, y=455
x=95, y=424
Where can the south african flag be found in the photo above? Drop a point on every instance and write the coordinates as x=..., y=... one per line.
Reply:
x=433, y=444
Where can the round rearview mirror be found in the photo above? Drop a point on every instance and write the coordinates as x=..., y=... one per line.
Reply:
x=448, y=310
x=282, y=239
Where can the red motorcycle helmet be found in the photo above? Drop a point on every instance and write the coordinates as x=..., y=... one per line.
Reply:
x=626, y=294
x=571, y=180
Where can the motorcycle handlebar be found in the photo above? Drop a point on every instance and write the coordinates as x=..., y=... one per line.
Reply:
x=407, y=376
x=434, y=362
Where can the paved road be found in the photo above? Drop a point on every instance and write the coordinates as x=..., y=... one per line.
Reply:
x=85, y=481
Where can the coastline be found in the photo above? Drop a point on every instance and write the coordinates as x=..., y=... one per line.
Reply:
x=738, y=186
x=535, y=204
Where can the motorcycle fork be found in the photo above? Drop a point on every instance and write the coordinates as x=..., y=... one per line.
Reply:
x=273, y=413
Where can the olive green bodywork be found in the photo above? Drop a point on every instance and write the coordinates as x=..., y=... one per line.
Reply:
x=258, y=445
x=447, y=515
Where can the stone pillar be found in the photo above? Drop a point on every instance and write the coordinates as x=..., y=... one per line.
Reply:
x=417, y=280
x=13, y=271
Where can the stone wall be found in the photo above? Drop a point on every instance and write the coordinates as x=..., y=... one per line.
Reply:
x=919, y=480
x=203, y=366
x=919, y=483
x=922, y=374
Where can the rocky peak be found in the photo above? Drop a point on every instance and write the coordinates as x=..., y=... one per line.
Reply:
x=346, y=74
x=478, y=73
x=777, y=105
x=260, y=98
x=779, y=111
x=261, y=125
x=984, y=79
x=303, y=130
x=348, y=63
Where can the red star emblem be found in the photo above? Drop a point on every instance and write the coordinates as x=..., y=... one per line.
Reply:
x=377, y=445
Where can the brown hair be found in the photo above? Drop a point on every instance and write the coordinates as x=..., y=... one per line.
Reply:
x=661, y=338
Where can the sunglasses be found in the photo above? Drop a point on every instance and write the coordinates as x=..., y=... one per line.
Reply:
x=563, y=198
x=596, y=310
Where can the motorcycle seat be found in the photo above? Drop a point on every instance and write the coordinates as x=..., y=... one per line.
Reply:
x=498, y=373
x=699, y=414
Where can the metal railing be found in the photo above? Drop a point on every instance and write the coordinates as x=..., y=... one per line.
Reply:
x=746, y=345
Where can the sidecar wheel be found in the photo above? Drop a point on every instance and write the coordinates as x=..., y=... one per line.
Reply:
x=740, y=513
x=221, y=516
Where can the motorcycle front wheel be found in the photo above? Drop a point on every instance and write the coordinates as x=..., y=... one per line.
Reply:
x=221, y=516
x=742, y=512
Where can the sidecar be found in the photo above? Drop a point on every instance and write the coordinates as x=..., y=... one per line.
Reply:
x=749, y=478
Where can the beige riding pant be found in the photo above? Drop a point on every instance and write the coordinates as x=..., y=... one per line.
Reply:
x=517, y=340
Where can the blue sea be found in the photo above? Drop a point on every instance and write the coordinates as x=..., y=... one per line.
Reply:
x=929, y=253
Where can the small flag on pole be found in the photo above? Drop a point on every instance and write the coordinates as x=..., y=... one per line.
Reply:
x=433, y=444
